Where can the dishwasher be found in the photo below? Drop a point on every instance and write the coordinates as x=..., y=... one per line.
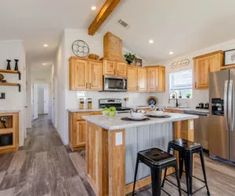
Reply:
x=200, y=128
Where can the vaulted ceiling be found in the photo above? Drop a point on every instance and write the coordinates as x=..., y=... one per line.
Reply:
x=180, y=26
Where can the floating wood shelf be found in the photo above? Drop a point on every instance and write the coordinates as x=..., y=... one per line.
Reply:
x=10, y=84
x=11, y=72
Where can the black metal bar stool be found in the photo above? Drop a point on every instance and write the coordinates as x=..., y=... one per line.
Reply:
x=186, y=150
x=157, y=160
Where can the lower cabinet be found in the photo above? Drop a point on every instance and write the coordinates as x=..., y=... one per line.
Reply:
x=77, y=129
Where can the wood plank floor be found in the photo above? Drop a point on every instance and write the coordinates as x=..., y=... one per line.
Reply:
x=44, y=167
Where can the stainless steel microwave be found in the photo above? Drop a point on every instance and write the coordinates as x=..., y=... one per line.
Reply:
x=113, y=83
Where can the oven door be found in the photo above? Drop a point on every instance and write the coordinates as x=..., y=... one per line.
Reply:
x=117, y=84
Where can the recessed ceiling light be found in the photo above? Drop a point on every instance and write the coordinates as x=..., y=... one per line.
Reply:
x=45, y=45
x=44, y=64
x=93, y=8
x=171, y=53
x=151, y=41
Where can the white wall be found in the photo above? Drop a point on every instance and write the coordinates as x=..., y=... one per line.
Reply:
x=67, y=99
x=198, y=95
x=14, y=49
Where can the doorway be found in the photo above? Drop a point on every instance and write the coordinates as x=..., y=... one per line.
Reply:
x=40, y=100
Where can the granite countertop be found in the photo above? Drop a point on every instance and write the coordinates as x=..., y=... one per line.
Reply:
x=85, y=110
x=116, y=122
x=187, y=109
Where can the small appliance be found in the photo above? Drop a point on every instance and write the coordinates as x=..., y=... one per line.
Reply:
x=115, y=84
x=117, y=103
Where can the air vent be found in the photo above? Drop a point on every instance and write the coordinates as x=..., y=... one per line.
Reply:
x=123, y=23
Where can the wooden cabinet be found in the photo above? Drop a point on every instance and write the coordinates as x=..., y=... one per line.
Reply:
x=205, y=64
x=77, y=129
x=142, y=79
x=156, y=78
x=9, y=132
x=121, y=69
x=132, y=75
x=114, y=68
x=85, y=74
x=109, y=67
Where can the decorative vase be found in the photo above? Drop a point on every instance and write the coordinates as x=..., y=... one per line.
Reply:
x=16, y=64
x=8, y=64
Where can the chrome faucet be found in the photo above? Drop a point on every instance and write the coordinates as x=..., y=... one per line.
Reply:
x=174, y=97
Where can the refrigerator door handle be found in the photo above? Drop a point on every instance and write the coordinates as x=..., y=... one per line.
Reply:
x=226, y=103
x=231, y=105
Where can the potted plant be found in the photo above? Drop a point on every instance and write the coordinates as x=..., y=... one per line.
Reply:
x=129, y=58
x=188, y=95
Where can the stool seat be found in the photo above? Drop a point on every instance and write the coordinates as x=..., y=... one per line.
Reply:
x=186, y=150
x=182, y=144
x=157, y=160
x=155, y=157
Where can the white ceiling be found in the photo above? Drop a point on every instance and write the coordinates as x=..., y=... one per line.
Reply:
x=181, y=26
x=42, y=21
x=178, y=25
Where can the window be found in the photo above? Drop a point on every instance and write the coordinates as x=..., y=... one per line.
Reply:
x=181, y=83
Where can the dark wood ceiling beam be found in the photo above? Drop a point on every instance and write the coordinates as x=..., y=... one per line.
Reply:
x=103, y=14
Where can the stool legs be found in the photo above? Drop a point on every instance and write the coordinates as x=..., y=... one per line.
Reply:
x=189, y=172
x=181, y=164
x=204, y=171
x=156, y=181
x=136, y=170
x=178, y=179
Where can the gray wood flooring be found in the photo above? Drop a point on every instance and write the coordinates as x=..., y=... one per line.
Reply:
x=44, y=167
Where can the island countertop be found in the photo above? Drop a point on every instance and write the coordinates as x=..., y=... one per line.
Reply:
x=115, y=123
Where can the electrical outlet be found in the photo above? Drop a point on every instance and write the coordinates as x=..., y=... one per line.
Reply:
x=2, y=95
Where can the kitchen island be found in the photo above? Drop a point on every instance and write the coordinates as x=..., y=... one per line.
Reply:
x=112, y=145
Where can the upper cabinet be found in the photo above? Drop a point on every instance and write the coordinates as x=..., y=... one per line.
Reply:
x=142, y=79
x=156, y=78
x=205, y=64
x=132, y=78
x=85, y=74
x=114, y=68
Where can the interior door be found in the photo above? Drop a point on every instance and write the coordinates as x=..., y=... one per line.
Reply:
x=46, y=100
x=218, y=129
x=35, y=101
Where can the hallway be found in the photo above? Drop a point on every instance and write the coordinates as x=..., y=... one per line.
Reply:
x=42, y=167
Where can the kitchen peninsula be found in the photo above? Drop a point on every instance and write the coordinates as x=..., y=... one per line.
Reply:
x=112, y=145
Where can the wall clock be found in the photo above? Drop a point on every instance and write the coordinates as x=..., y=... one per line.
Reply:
x=80, y=48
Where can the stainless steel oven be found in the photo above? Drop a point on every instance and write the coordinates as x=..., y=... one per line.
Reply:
x=115, y=84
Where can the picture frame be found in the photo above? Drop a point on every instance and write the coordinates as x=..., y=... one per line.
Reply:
x=138, y=62
x=229, y=57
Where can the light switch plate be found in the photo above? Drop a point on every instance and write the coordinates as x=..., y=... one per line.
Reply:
x=118, y=139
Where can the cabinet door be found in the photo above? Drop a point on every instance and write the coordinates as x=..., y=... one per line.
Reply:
x=161, y=79
x=142, y=79
x=95, y=75
x=201, y=72
x=78, y=74
x=109, y=67
x=121, y=69
x=132, y=75
x=152, y=79
x=216, y=62
x=79, y=138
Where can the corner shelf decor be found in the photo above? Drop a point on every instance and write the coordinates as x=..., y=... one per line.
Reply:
x=8, y=83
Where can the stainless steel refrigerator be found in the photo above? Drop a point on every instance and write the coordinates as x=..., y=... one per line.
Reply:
x=221, y=138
